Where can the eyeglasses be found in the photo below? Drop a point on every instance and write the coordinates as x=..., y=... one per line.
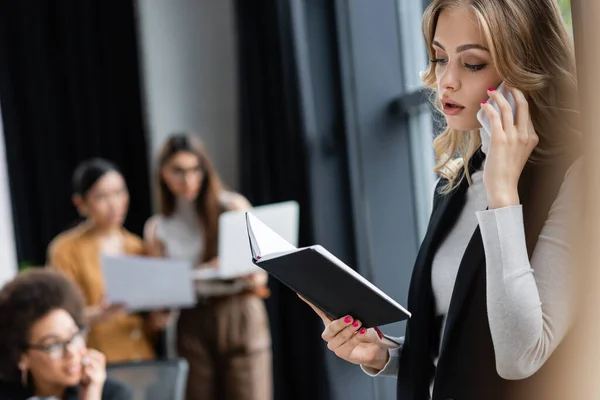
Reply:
x=181, y=173
x=58, y=349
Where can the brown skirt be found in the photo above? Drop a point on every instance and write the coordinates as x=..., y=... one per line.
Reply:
x=227, y=343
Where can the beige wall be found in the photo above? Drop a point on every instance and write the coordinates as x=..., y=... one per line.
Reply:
x=189, y=69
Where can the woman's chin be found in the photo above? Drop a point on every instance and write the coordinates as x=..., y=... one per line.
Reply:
x=190, y=196
x=460, y=124
x=72, y=380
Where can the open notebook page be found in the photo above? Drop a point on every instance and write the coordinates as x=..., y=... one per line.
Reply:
x=264, y=240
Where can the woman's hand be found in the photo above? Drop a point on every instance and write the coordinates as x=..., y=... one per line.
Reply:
x=158, y=320
x=255, y=280
x=212, y=263
x=103, y=312
x=351, y=342
x=511, y=145
x=93, y=376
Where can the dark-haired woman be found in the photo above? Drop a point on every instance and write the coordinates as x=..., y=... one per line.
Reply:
x=226, y=337
x=101, y=197
x=42, y=343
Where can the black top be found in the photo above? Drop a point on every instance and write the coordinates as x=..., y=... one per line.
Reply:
x=112, y=390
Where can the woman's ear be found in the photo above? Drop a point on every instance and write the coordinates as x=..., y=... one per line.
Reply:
x=162, y=173
x=79, y=204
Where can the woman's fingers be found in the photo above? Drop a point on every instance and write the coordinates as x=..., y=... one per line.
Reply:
x=495, y=121
x=364, y=338
x=505, y=110
x=522, y=112
x=340, y=331
x=94, y=359
x=160, y=318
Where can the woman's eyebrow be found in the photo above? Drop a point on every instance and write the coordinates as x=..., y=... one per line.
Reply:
x=463, y=47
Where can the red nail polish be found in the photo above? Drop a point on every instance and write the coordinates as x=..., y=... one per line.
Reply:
x=362, y=331
x=347, y=319
x=491, y=89
x=355, y=324
x=484, y=102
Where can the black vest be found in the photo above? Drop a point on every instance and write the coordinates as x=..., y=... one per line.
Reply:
x=466, y=366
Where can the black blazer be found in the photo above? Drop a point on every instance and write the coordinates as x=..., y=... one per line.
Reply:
x=466, y=366
x=112, y=390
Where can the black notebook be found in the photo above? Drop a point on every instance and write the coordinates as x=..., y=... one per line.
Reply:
x=321, y=278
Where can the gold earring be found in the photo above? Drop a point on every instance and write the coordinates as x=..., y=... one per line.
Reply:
x=24, y=375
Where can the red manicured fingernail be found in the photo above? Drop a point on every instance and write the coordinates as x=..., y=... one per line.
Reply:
x=347, y=319
x=355, y=324
x=484, y=102
x=362, y=331
x=491, y=89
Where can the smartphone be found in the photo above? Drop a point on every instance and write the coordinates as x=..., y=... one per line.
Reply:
x=482, y=115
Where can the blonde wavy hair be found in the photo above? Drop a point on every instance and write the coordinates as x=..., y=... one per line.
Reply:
x=532, y=51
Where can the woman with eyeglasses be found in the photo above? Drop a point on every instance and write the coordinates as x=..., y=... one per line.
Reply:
x=226, y=337
x=42, y=343
x=101, y=197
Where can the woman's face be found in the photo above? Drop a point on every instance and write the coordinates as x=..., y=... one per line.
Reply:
x=183, y=175
x=464, y=70
x=106, y=202
x=56, y=350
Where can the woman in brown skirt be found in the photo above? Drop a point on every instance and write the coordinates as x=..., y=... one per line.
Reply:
x=225, y=337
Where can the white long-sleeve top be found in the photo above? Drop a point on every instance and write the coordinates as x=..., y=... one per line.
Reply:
x=530, y=303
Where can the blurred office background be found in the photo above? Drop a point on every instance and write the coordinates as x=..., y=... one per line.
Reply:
x=312, y=100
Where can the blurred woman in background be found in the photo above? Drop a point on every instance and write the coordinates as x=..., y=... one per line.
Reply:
x=101, y=197
x=226, y=337
x=42, y=343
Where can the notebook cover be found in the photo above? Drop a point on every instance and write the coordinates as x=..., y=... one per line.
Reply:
x=322, y=282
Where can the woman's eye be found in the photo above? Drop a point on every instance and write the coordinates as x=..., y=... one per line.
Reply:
x=475, y=67
x=52, y=347
x=440, y=60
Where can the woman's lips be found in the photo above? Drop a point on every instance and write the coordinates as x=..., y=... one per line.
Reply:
x=451, y=108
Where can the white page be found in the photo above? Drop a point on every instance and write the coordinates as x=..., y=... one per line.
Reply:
x=267, y=240
x=144, y=283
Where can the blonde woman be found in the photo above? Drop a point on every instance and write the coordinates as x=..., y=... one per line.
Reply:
x=483, y=323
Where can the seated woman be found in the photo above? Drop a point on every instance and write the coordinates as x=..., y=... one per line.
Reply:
x=101, y=197
x=42, y=343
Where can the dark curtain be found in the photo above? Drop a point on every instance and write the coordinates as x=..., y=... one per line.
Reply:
x=274, y=167
x=69, y=90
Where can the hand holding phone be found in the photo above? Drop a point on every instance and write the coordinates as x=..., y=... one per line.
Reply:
x=482, y=117
x=103, y=312
x=510, y=146
x=93, y=376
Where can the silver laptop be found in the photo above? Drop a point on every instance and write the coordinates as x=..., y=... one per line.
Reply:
x=145, y=283
x=235, y=257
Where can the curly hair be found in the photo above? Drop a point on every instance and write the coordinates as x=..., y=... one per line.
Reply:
x=26, y=299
